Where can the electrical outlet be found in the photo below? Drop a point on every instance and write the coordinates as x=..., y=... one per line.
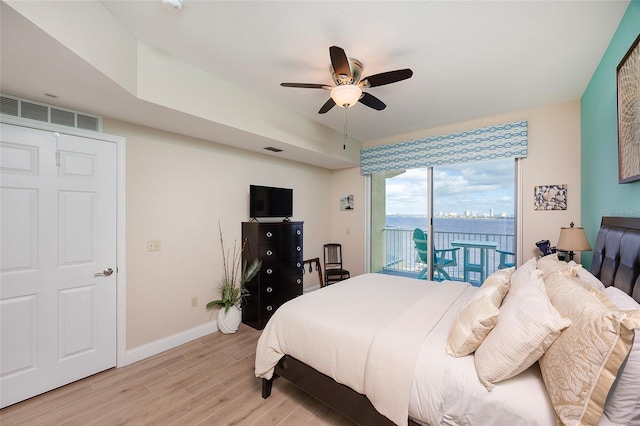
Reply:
x=194, y=301
x=153, y=245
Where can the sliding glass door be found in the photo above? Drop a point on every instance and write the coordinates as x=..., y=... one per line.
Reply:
x=473, y=221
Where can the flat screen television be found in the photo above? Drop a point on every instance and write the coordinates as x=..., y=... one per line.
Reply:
x=267, y=201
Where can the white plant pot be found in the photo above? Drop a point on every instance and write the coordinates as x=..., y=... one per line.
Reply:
x=230, y=321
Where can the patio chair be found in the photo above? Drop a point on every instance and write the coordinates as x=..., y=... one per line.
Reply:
x=442, y=258
x=503, y=259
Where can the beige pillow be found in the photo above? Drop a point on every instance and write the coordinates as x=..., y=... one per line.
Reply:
x=500, y=281
x=581, y=365
x=526, y=327
x=474, y=321
x=550, y=265
x=525, y=273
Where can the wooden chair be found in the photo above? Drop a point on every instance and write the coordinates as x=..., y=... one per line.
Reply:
x=310, y=262
x=442, y=258
x=333, y=270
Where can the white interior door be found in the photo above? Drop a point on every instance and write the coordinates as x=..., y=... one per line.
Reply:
x=58, y=237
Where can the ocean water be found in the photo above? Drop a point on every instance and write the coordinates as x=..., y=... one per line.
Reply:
x=399, y=244
x=460, y=225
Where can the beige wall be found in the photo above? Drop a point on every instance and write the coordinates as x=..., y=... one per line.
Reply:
x=178, y=188
x=554, y=158
x=348, y=225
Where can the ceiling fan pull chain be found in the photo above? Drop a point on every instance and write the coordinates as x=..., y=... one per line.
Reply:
x=344, y=145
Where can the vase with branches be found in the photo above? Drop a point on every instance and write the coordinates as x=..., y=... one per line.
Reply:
x=236, y=273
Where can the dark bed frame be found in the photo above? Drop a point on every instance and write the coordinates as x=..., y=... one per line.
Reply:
x=616, y=261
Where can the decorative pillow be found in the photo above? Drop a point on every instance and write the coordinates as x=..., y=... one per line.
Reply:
x=581, y=365
x=526, y=327
x=550, y=265
x=620, y=299
x=474, y=321
x=526, y=273
x=587, y=277
x=623, y=402
x=499, y=281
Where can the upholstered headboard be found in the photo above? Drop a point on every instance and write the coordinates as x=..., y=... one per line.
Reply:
x=616, y=255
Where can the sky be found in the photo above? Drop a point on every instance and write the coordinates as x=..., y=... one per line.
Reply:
x=475, y=187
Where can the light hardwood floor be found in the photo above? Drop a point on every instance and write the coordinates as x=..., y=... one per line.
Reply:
x=208, y=381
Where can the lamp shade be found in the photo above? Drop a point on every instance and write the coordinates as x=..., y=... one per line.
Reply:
x=573, y=239
x=346, y=95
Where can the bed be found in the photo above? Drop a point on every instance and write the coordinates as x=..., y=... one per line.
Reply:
x=375, y=347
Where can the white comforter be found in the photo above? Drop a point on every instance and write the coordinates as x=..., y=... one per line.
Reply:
x=385, y=337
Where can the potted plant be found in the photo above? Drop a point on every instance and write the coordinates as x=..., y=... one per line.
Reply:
x=232, y=290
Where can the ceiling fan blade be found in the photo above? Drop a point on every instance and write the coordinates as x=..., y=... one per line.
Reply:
x=327, y=106
x=372, y=102
x=306, y=85
x=386, y=78
x=340, y=63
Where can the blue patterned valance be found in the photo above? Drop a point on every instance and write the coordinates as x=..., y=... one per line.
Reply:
x=489, y=143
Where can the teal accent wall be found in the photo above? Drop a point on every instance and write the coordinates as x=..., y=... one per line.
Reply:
x=601, y=193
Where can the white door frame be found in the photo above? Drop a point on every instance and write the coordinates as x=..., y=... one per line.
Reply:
x=121, y=278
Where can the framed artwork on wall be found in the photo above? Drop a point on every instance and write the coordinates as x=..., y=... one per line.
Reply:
x=628, y=81
x=550, y=197
x=346, y=202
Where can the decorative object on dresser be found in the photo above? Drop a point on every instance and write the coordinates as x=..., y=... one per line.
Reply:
x=572, y=239
x=236, y=272
x=279, y=246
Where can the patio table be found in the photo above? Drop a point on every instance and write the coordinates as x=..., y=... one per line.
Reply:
x=469, y=267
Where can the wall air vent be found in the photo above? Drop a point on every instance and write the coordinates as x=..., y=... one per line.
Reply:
x=31, y=110
x=272, y=149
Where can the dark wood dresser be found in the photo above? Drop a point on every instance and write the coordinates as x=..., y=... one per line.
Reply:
x=279, y=246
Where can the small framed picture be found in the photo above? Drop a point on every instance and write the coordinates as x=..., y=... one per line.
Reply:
x=346, y=202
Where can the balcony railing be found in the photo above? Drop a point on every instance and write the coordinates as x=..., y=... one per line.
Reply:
x=402, y=258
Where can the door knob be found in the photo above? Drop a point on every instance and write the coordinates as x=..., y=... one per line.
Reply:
x=105, y=273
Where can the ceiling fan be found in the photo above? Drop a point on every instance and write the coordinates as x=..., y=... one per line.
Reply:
x=346, y=73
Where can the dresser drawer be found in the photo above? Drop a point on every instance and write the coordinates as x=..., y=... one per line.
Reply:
x=280, y=250
x=268, y=305
x=282, y=287
x=279, y=232
x=276, y=270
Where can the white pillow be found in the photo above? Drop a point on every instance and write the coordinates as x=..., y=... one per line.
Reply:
x=552, y=265
x=473, y=322
x=526, y=273
x=620, y=299
x=527, y=325
x=623, y=401
x=589, y=278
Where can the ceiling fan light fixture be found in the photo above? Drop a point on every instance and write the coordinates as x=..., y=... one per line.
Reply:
x=346, y=95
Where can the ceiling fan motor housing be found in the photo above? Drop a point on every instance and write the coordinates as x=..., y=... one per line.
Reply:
x=356, y=73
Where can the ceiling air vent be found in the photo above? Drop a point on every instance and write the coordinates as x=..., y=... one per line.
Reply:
x=18, y=107
x=272, y=149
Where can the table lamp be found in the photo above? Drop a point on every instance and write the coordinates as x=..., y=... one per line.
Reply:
x=572, y=239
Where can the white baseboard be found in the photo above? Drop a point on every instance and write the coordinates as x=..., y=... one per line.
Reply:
x=170, y=342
